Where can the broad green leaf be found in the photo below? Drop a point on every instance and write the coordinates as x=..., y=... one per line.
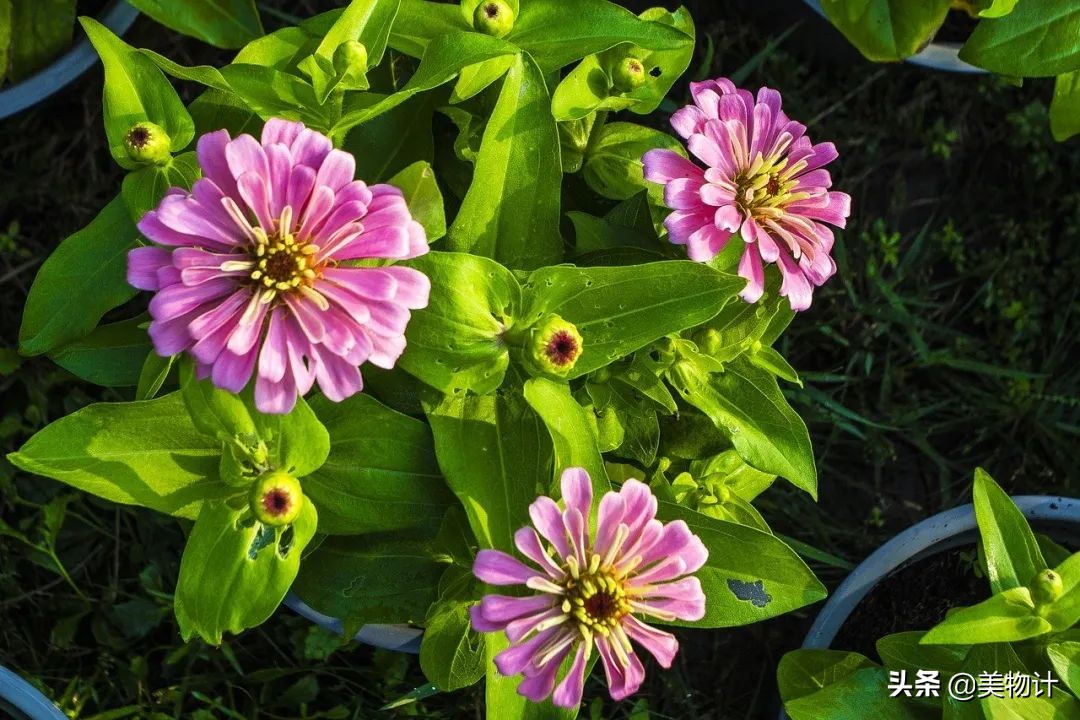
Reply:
x=135, y=91
x=1009, y=616
x=1037, y=39
x=511, y=211
x=1065, y=107
x=423, y=197
x=729, y=468
x=1065, y=657
x=283, y=49
x=366, y=21
x=588, y=86
x=750, y=575
x=641, y=438
x=456, y=343
x=773, y=362
x=274, y=93
x=235, y=570
x=85, y=277
x=1013, y=557
x=1064, y=612
x=857, y=696
x=1058, y=706
x=37, y=32
x=555, y=37
x=143, y=188
x=223, y=23
x=994, y=8
x=155, y=370
x=500, y=693
x=496, y=457
x=144, y=453
x=419, y=22
x=746, y=405
x=802, y=673
x=618, y=310
x=393, y=141
x=739, y=328
x=381, y=473
x=451, y=653
x=443, y=59
x=903, y=651
x=476, y=78
x=574, y=440
x=887, y=30
x=613, y=165
x=112, y=355
x=370, y=579
x=218, y=109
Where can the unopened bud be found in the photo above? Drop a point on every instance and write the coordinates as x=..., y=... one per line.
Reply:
x=351, y=59
x=629, y=75
x=147, y=143
x=1047, y=587
x=493, y=17
x=555, y=345
x=276, y=498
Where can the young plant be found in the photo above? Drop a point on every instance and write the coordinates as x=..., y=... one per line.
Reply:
x=1014, y=655
x=887, y=30
x=462, y=369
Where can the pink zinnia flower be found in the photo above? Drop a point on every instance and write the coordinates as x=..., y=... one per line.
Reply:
x=589, y=592
x=251, y=269
x=764, y=180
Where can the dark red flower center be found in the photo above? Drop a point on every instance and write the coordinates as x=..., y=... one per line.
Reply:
x=277, y=501
x=491, y=10
x=601, y=606
x=280, y=266
x=773, y=186
x=138, y=137
x=562, y=349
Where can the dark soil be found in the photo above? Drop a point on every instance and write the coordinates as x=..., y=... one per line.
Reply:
x=916, y=596
x=956, y=28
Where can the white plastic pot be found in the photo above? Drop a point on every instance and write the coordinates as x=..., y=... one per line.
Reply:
x=402, y=638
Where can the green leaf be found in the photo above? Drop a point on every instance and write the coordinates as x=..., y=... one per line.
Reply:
x=1013, y=557
x=858, y=695
x=36, y=34
x=474, y=79
x=619, y=310
x=419, y=22
x=728, y=467
x=451, y=653
x=1046, y=707
x=740, y=327
x=887, y=30
x=1037, y=39
x=750, y=575
x=144, y=453
x=370, y=579
x=381, y=473
x=1065, y=657
x=1065, y=107
x=135, y=91
x=511, y=211
x=802, y=673
x=746, y=405
x=393, y=141
x=556, y=38
x=613, y=165
x=1009, y=616
x=142, y=189
x=496, y=457
x=112, y=355
x=456, y=342
x=367, y=21
x=774, y=363
x=1064, y=612
x=423, y=197
x=903, y=651
x=994, y=8
x=152, y=375
x=235, y=570
x=85, y=277
x=573, y=438
x=227, y=24
x=500, y=693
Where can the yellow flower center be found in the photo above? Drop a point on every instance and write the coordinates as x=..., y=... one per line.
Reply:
x=595, y=597
x=282, y=263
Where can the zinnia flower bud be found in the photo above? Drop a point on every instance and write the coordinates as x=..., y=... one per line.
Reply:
x=276, y=498
x=147, y=143
x=1047, y=587
x=351, y=58
x=555, y=345
x=493, y=17
x=629, y=75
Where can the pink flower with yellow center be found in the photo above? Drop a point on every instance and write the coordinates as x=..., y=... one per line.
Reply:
x=252, y=270
x=763, y=179
x=589, y=590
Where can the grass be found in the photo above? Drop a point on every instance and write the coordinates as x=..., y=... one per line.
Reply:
x=943, y=343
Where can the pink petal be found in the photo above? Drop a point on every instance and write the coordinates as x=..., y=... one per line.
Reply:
x=143, y=264
x=569, y=691
x=497, y=568
x=661, y=645
x=661, y=166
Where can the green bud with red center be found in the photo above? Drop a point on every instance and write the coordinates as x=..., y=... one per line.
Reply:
x=351, y=59
x=554, y=346
x=493, y=17
x=1047, y=587
x=148, y=143
x=629, y=74
x=276, y=498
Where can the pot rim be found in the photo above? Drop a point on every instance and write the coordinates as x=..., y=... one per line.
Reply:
x=402, y=638
x=943, y=56
x=66, y=68
x=26, y=698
